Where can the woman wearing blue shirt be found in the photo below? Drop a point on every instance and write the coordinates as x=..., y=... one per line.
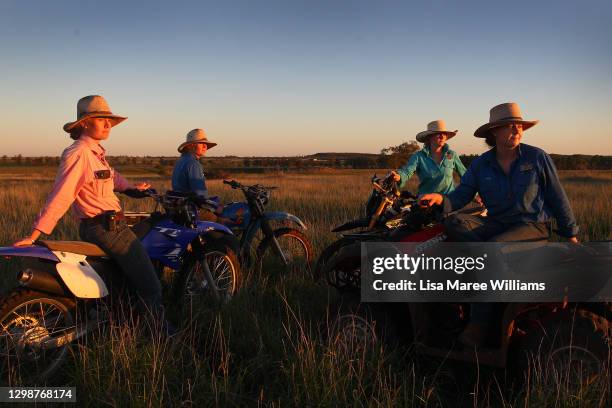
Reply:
x=188, y=175
x=521, y=190
x=434, y=163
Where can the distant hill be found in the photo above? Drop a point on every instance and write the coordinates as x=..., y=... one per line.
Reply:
x=343, y=160
x=342, y=155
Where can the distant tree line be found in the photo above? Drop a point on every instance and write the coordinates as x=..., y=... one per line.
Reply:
x=389, y=158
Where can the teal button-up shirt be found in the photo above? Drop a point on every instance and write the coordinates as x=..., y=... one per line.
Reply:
x=433, y=177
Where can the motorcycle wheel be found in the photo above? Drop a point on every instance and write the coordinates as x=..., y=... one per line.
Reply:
x=28, y=319
x=192, y=285
x=295, y=246
x=570, y=348
x=331, y=250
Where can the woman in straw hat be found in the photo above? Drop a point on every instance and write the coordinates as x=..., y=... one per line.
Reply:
x=188, y=175
x=521, y=190
x=87, y=182
x=434, y=163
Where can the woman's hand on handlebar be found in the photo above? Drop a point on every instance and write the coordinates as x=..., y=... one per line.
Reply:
x=143, y=185
x=428, y=200
x=394, y=175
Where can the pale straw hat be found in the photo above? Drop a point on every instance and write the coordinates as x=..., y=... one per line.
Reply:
x=196, y=136
x=504, y=114
x=93, y=106
x=435, y=127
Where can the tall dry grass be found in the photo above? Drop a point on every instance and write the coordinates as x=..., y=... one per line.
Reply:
x=270, y=346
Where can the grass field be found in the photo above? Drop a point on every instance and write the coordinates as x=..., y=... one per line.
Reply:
x=268, y=346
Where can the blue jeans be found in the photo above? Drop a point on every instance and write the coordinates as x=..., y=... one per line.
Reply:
x=123, y=246
x=470, y=228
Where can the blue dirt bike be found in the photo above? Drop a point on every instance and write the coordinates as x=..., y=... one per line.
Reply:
x=69, y=288
x=170, y=236
x=285, y=247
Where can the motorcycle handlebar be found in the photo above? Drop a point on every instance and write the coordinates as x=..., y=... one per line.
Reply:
x=235, y=184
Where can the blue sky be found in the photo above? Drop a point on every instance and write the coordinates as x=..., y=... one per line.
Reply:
x=299, y=77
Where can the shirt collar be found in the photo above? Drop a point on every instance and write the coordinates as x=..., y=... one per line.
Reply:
x=490, y=155
x=93, y=144
x=191, y=155
x=427, y=151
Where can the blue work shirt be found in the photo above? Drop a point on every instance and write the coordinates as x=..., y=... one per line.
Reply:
x=188, y=175
x=433, y=177
x=531, y=192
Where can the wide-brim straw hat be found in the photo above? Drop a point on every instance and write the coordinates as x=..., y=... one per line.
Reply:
x=435, y=127
x=504, y=114
x=196, y=136
x=93, y=106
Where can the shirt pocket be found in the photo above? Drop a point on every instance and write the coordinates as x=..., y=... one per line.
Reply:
x=491, y=191
x=103, y=185
x=447, y=167
x=527, y=187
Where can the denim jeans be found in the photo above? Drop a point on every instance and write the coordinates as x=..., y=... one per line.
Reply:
x=470, y=228
x=123, y=246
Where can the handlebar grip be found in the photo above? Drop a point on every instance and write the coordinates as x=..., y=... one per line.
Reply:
x=135, y=193
x=232, y=183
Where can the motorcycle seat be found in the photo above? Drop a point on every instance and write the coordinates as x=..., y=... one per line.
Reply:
x=76, y=247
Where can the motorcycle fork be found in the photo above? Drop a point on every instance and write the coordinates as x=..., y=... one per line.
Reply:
x=211, y=281
x=378, y=212
x=269, y=233
x=208, y=274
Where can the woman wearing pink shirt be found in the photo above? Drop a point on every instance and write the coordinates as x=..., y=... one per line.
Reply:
x=87, y=182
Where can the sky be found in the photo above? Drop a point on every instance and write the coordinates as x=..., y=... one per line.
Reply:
x=284, y=78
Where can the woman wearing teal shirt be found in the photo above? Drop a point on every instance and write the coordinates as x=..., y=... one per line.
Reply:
x=434, y=163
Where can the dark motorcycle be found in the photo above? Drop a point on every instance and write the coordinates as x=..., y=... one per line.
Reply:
x=384, y=212
x=559, y=335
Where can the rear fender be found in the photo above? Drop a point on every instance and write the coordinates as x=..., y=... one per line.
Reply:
x=33, y=251
x=79, y=276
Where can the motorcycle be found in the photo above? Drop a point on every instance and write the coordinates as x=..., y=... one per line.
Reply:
x=286, y=247
x=384, y=212
x=69, y=288
x=559, y=335
x=180, y=233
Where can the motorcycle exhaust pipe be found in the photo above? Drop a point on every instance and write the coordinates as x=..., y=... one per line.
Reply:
x=39, y=280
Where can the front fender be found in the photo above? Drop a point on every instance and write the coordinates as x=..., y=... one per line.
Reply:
x=281, y=216
x=209, y=226
x=33, y=251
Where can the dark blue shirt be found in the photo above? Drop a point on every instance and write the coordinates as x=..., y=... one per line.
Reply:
x=531, y=192
x=188, y=175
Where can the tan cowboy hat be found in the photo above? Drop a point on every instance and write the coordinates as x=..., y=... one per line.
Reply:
x=93, y=106
x=196, y=136
x=435, y=127
x=504, y=114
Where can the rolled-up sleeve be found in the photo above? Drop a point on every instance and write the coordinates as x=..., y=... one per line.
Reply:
x=120, y=183
x=69, y=180
x=459, y=165
x=556, y=199
x=408, y=169
x=463, y=193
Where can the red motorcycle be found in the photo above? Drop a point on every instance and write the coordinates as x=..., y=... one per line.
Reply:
x=559, y=335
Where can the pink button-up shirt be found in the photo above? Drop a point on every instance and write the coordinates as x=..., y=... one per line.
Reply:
x=84, y=180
